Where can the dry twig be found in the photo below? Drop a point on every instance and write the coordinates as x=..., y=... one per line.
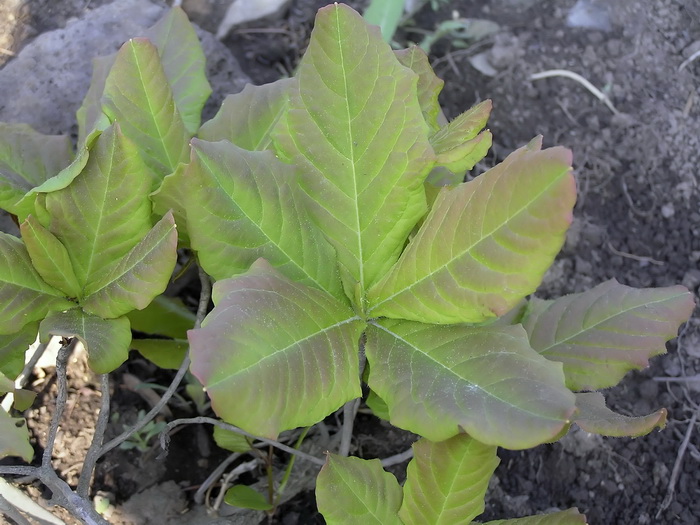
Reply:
x=578, y=78
x=677, y=467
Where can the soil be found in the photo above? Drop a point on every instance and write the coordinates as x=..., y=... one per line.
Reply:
x=637, y=220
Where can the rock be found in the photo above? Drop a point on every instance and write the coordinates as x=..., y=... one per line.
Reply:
x=50, y=76
x=242, y=11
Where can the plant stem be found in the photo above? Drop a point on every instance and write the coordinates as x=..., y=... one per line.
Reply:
x=349, y=413
x=93, y=453
x=165, y=438
x=62, y=382
x=204, y=298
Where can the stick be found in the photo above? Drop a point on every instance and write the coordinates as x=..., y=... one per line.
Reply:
x=397, y=458
x=93, y=453
x=677, y=467
x=578, y=78
x=164, y=437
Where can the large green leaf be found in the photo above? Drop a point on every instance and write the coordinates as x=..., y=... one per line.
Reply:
x=446, y=481
x=566, y=517
x=184, y=64
x=106, y=341
x=165, y=315
x=164, y=353
x=429, y=85
x=356, y=130
x=24, y=295
x=27, y=159
x=14, y=437
x=437, y=380
x=90, y=115
x=138, y=96
x=386, y=14
x=604, y=332
x=248, y=118
x=172, y=195
x=139, y=277
x=248, y=206
x=485, y=244
x=49, y=257
x=285, y=352
x=593, y=416
x=105, y=211
x=354, y=491
x=13, y=348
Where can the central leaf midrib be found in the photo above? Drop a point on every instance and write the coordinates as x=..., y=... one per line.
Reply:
x=358, y=229
x=467, y=249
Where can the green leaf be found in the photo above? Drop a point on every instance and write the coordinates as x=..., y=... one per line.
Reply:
x=49, y=257
x=138, y=96
x=172, y=195
x=14, y=437
x=165, y=315
x=386, y=14
x=566, y=517
x=90, y=115
x=247, y=498
x=230, y=440
x=446, y=481
x=354, y=491
x=604, y=332
x=139, y=277
x=438, y=380
x=184, y=65
x=13, y=348
x=27, y=159
x=106, y=341
x=105, y=210
x=377, y=405
x=593, y=416
x=249, y=207
x=24, y=295
x=247, y=118
x=166, y=353
x=287, y=353
x=34, y=200
x=429, y=85
x=485, y=244
x=356, y=130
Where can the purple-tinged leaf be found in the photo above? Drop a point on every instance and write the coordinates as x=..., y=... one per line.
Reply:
x=138, y=96
x=13, y=348
x=438, y=380
x=49, y=257
x=24, y=295
x=104, y=212
x=446, y=481
x=593, y=416
x=184, y=64
x=603, y=333
x=357, y=132
x=27, y=159
x=247, y=118
x=105, y=340
x=565, y=517
x=429, y=85
x=275, y=354
x=248, y=206
x=354, y=491
x=14, y=437
x=485, y=244
x=138, y=278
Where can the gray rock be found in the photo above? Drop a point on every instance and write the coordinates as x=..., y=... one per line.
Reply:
x=45, y=84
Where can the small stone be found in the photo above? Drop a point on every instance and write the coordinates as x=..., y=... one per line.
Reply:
x=667, y=210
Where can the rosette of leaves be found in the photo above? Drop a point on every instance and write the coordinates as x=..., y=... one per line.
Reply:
x=330, y=210
x=91, y=250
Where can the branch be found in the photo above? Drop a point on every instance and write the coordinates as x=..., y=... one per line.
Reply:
x=93, y=453
x=165, y=438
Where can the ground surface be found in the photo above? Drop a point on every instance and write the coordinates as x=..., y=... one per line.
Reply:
x=637, y=219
